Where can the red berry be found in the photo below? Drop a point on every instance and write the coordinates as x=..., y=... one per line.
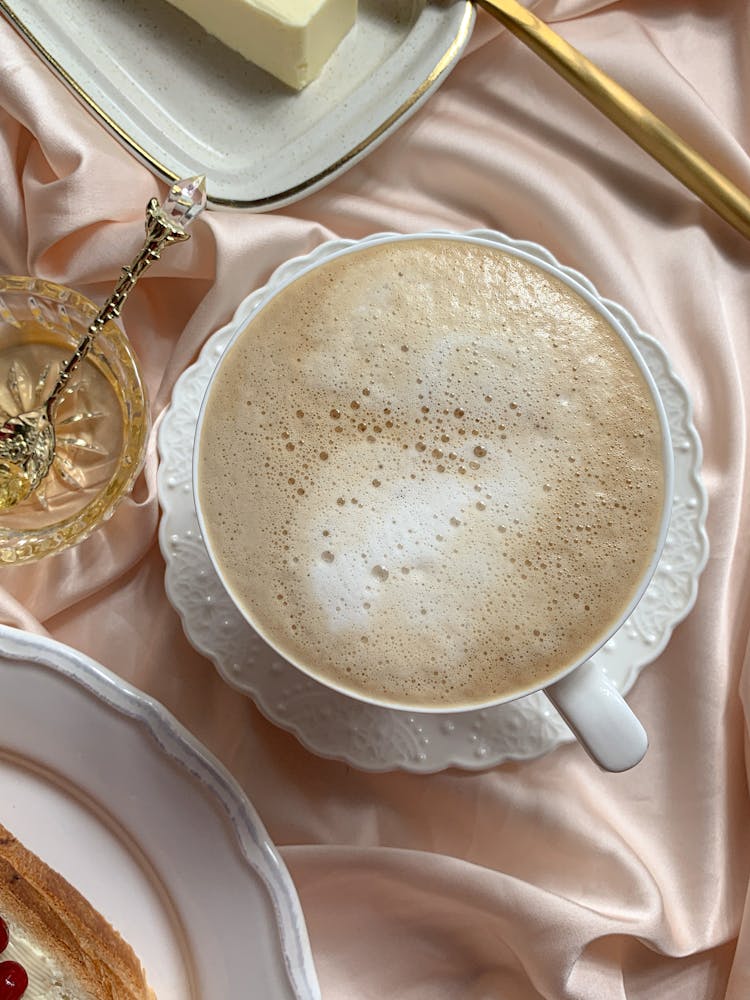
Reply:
x=3, y=935
x=13, y=981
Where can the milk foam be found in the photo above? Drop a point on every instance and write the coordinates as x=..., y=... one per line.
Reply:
x=431, y=473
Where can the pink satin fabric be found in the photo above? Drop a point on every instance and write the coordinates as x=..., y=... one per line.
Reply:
x=543, y=879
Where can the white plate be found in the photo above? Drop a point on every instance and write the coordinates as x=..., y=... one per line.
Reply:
x=106, y=786
x=185, y=104
x=379, y=739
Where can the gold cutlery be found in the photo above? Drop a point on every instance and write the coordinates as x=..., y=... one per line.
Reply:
x=627, y=113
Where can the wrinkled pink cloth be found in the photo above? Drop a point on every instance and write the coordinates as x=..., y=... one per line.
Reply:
x=543, y=879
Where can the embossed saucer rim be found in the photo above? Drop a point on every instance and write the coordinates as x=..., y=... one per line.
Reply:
x=550, y=730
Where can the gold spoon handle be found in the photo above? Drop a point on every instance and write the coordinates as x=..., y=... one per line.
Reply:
x=159, y=234
x=651, y=134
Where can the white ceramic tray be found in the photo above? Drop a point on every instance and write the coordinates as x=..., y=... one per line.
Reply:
x=380, y=739
x=107, y=787
x=185, y=104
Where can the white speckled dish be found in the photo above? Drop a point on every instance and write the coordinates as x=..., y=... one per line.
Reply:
x=111, y=791
x=380, y=739
x=185, y=104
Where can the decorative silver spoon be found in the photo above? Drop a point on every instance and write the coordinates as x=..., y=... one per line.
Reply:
x=27, y=440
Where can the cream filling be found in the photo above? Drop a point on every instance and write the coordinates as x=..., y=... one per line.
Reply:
x=47, y=981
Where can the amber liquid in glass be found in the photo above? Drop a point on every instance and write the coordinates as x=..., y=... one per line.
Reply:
x=88, y=419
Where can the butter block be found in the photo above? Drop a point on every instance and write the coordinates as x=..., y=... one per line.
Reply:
x=291, y=39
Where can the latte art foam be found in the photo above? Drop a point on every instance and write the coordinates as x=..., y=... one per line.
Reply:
x=431, y=473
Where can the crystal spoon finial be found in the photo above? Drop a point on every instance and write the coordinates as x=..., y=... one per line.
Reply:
x=27, y=440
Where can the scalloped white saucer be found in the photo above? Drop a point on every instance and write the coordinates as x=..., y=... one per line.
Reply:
x=380, y=739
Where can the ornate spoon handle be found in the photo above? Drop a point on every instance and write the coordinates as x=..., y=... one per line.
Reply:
x=27, y=440
x=164, y=225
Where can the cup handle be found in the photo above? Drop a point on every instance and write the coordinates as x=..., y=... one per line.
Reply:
x=600, y=717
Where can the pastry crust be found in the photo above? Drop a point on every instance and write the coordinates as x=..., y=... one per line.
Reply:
x=64, y=925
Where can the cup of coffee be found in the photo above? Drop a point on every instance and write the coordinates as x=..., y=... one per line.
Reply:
x=435, y=474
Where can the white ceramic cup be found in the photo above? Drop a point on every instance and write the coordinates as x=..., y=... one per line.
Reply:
x=591, y=705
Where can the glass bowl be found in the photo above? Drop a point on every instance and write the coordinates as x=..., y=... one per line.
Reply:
x=101, y=422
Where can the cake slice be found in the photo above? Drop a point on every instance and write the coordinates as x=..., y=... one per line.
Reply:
x=55, y=937
x=291, y=39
